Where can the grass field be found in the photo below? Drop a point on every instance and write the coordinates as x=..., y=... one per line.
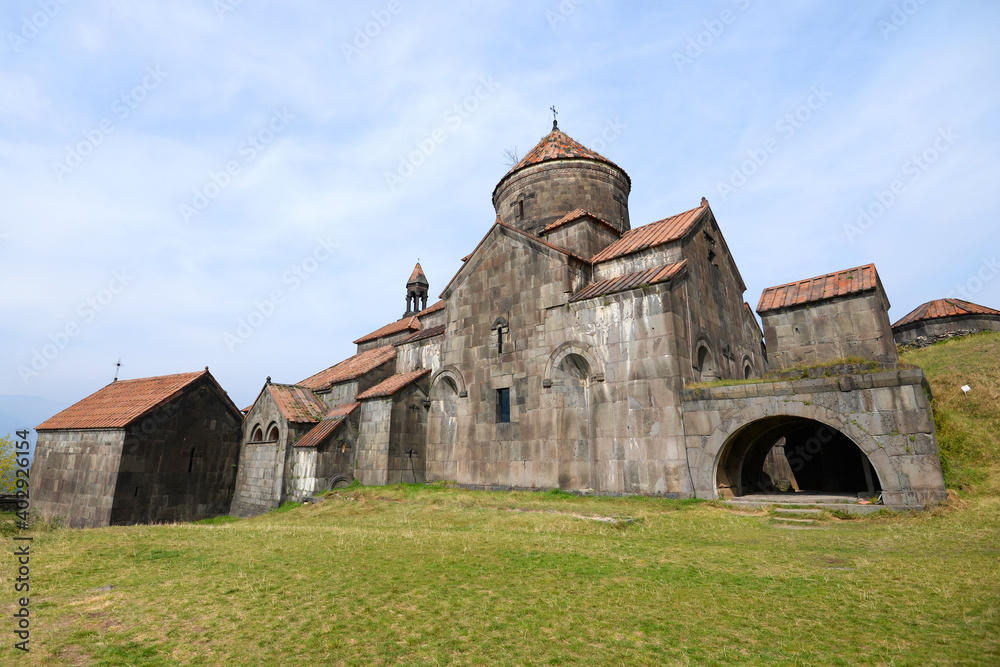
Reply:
x=435, y=575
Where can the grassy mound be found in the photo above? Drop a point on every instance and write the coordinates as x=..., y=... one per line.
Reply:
x=968, y=426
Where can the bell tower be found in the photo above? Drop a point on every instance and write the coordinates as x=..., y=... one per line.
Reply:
x=416, y=292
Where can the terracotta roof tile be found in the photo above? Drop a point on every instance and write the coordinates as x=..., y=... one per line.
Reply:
x=939, y=308
x=406, y=324
x=393, y=384
x=630, y=281
x=575, y=215
x=349, y=369
x=417, y=276
x=297, y=404
x=433, y=308
x=330, y=422
x=120, y=403
x=423, y=335
x=557, y=145
x=820, y=288
x=654, y=234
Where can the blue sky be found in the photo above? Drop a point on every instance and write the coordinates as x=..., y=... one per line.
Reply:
x=170, y=170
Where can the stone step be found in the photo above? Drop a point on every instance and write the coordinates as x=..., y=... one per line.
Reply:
x=797, y=511
x=785, y=519
x=854, y=508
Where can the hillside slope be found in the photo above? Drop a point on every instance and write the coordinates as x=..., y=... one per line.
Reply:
x=968, y=426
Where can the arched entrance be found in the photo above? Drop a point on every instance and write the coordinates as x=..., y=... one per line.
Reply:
x=787, y=455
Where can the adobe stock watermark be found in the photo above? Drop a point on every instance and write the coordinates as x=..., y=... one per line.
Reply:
x=914, y=167
x=292, y=279
x=562, y=12
x=987, y=271
x=613, y=128
x=34, y=23
x=248, y=151
x=713, y=29
x=901, y=14
x=453, y=119
x=223, y=7
x=122, y=107
x=364, y=34
x=86, y=312
x=786, y=127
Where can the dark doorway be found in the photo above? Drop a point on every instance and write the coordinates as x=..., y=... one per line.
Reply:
x=781, y=454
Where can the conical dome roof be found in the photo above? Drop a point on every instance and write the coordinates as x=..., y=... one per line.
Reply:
x=557, y=145
x=417, y=277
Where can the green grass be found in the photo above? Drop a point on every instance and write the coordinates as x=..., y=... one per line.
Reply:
x=968, y=427
x=413, y=575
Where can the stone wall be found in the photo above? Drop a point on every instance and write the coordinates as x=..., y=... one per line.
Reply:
x=852, y=326
x=74, y=474
x=373, y=441
x=886, y=415
x=184, y=468
x=419, y=355
x=928, y=332
x=550, y=190
x=583, y=237
x=318, y=469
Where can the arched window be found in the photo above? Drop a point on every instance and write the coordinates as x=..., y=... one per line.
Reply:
x=272, y=433
x=747, y=368
x=705, y=364
x=257, y=435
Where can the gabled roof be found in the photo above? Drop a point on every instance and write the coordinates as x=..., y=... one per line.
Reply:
x=417, y=277
x=840, y=283
x=121, y=403
x=423, y=335
x=577, y=214
x=940, y=308
x=433, y=308
x=393, y=384
x=351, y=368
x=510, y=232
x=557, y=145
x=328, y=425
x=654, y=234
x=406, y=324
x=660, y=274
x=297, y=404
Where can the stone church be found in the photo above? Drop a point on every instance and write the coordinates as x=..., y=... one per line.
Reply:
x=574, y=351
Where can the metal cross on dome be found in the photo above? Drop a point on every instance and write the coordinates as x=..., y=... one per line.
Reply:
x=555, y=123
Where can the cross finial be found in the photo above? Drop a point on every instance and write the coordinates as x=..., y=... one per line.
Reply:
x=118, y=367
x=555, y=123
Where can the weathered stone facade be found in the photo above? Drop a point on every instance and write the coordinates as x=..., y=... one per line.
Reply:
x=564, y=351
x=139, y=451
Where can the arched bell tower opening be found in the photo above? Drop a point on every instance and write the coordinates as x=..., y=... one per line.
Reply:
x=416, y=292
x=785, y=455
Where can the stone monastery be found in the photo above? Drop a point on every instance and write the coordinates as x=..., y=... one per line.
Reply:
x=570, y=351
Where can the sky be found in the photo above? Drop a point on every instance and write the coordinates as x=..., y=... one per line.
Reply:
x=247, y=185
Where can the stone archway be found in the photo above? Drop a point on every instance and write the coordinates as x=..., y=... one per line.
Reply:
x=820, y=459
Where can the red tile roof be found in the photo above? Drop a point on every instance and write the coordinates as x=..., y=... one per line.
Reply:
x=297, y=404
x=939, y=308
x=423, y=335
x=350, y=369
x=393, y=384
x=321, y=431
x=417, y=276
x=575, y=215
x=660, y=274
x=652, y=235
x=839, y=283
x=557, y=145
x=433, y=308
x=406, y=324
x=121, y=403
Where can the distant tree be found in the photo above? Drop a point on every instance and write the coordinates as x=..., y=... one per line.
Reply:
x=8, y=463
x=511, y=157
